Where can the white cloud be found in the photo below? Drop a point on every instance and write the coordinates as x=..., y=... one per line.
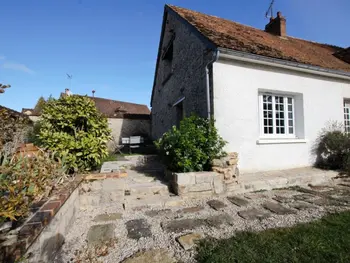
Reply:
x=17, y=67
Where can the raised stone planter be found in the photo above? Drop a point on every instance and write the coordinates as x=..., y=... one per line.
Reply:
x=197, y=183
x=225, y=173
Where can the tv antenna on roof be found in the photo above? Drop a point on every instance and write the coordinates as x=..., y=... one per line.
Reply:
x=69, y=77
x=270, y=10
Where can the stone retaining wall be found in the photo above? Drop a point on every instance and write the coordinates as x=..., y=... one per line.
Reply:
x=197, y=183
x=42, y=235
x=224, y=176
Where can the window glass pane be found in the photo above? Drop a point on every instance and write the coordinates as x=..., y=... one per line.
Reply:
x=281, y=107
x=346, y=117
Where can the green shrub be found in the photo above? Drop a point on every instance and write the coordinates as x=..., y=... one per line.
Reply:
x=192, y=146
x=72, y=127
x=25, y=180
x=333, y=149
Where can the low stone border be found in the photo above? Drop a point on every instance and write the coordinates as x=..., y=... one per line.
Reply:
x=31, y=241
x=102, y=176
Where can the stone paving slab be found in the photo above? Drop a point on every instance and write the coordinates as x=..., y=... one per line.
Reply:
x=238, y=201
x=188, y=241
x=216, y=204
x=218, y=220
x=254, y=213
x=327, y=202
x=301, y=205
x=278, y=208
x=154, y=213
x=256, y=195
x=99, y=234
x=283, y=199
x=188, y=210
x=321, y=188
x=138, y=228
x=151, y=256
x=107, y=217
x=304, y=197
x=177, y=226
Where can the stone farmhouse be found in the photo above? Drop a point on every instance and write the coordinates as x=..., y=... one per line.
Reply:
x=271, y=94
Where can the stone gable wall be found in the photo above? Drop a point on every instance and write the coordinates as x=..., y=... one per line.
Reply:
x=190, y=56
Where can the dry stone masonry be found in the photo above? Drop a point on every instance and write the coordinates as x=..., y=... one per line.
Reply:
x=223, y=177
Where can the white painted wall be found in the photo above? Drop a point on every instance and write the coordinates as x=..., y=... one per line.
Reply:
x=236, y=110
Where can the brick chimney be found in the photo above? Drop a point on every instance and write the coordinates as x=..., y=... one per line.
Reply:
x=277, y=26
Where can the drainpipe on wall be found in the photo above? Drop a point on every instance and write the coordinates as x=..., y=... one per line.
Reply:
x=207, y=73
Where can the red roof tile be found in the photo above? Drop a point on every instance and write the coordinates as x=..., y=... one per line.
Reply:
x=114, y=108
x=231, y=35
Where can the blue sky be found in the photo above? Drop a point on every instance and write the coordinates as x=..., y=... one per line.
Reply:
x=111, y=45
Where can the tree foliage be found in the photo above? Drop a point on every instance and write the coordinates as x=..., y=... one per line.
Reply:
x=40, y=104
x=72, y=127
x=192, y=146
x=3, y=87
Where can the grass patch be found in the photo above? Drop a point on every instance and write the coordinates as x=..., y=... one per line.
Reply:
x=110, y=158
x=325, y=240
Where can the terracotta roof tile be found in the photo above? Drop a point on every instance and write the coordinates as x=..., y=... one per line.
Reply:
x=231, y=35
x=114, y=108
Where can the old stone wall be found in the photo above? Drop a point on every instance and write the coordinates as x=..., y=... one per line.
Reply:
x=223, y=177
x=126, y=128
x=187, y=78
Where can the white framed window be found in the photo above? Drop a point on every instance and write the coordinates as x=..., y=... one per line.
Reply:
x=347, y=116
x=277, y=116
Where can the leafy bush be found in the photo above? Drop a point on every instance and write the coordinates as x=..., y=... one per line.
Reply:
x=192, y=146
x=72, y=127
x=25, y=180
x=333, y=149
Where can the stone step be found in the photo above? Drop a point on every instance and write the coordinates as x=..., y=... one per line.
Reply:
x=279, y=179
x=152, y=202
x=148, y=189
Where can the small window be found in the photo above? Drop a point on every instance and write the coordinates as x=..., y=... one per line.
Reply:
x=179, y=113
x=277, y=115
x=347, y=116
x=167, y=58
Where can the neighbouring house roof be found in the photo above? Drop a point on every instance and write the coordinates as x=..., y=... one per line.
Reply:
x=119, y=109
x=30, y=112
x=227, y=34
x=13, y=112
x=109, y=108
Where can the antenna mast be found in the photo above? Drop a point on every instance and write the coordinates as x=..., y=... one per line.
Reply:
x=69, y=77
x=270, y=10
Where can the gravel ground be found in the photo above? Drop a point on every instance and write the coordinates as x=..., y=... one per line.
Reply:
x=126, y=247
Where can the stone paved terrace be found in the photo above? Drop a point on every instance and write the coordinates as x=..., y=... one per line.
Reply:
x=158, y=227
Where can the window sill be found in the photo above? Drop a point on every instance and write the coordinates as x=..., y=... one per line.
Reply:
x=281, y=141
x=167, y=78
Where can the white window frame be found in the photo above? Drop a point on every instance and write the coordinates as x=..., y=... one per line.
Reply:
x=275, y=135
x=347, y=116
